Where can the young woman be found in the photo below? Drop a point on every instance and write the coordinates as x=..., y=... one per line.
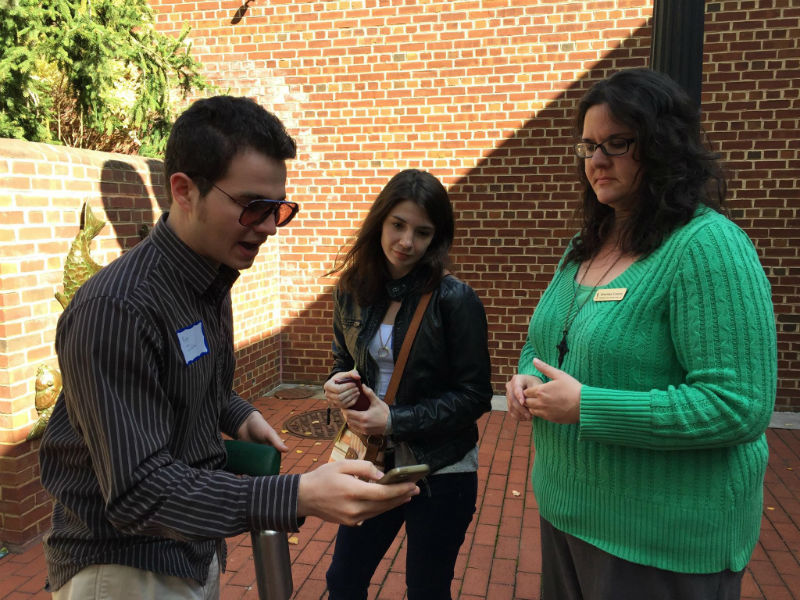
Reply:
x=650, y=365
x=400, y=253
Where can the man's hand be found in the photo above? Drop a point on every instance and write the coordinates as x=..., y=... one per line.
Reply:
x=332, y=492
x=558, y=400
x=256, y=429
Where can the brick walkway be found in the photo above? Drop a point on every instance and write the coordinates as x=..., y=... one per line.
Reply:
x=500, y=558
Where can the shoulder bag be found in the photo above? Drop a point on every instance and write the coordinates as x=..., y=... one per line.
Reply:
x=351, y=445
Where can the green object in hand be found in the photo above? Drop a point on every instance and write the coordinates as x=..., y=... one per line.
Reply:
x=249, y=458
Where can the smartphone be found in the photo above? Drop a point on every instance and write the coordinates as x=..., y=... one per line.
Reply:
x=411, y=473
x=363, y=401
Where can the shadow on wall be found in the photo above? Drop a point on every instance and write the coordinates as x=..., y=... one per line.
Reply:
x=127, y=200
x=515, y=212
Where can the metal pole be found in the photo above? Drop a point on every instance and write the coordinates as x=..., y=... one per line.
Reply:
x=677, y=43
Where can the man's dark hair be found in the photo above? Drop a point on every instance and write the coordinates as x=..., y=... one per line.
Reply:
x=207, y=136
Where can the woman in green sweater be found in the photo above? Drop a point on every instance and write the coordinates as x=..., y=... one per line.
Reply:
x=650, y=365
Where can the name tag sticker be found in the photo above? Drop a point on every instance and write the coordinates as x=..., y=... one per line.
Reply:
x=610, y=295
x=193, y=342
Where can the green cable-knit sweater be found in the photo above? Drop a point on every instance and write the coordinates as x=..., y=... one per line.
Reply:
x=666, y=466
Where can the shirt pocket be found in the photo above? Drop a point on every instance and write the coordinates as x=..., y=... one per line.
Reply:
x=351, y=329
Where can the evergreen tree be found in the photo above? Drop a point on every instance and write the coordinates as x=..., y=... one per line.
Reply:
x=91, y=74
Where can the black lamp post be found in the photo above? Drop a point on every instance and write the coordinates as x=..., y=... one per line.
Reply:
x=677, y=43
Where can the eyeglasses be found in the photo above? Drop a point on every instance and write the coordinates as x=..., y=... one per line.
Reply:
x=613, y=146
x=256, y=212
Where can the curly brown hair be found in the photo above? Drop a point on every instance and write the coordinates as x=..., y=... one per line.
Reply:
x=678, y=171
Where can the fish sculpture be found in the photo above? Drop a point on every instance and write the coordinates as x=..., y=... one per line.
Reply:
x=48, y=387
x=79, y=266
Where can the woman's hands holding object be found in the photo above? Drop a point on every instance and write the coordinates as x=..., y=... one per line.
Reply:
x=344, y=390
x=371, y=421
x=558, y=400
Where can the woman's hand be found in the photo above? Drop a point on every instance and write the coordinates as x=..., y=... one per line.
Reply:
x=515, y=395
x=558, y=400
x=342, y=395
x=371, y=421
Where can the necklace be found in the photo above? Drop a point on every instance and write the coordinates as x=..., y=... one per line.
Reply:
x=562, y=346
x=383, y=351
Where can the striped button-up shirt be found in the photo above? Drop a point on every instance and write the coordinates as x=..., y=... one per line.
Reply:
x=133, y=451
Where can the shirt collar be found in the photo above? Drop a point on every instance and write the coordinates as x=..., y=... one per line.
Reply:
x=197, y=271
x=397, y=289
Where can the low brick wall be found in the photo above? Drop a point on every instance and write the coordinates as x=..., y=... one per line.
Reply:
x=42, y=189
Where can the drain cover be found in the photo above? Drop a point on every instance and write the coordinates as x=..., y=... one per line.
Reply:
x=313, y=424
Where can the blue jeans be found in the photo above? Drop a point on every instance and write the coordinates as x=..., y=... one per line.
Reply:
x=436, y=522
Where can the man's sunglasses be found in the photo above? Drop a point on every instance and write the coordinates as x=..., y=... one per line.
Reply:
x=256, y=212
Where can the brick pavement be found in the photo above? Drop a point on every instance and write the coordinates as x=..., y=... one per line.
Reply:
x=500, y=558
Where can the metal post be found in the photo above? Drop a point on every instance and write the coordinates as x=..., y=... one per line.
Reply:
x=273, y=565
x=677, y=44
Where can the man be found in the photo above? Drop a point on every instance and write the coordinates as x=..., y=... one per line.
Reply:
x=133, y=451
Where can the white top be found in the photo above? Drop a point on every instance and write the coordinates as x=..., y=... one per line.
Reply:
x=385, y=359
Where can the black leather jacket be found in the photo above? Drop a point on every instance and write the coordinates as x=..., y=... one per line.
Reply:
x=446, y=385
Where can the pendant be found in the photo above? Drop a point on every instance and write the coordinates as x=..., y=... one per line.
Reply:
x=383, y=352
x=562, y=348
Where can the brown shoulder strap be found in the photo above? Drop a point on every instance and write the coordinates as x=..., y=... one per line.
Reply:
x=400, y=365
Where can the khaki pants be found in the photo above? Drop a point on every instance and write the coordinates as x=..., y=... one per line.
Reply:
x=117, y=582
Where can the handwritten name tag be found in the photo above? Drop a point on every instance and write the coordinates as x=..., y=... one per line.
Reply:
x=193, y=342
x=610, y=295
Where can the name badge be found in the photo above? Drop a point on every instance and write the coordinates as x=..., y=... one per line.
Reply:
x=193, y=342
x=610, y=295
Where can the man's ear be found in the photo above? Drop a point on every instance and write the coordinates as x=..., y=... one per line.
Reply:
x=183, y=190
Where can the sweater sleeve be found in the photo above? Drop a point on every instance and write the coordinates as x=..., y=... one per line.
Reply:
x=531, y=349
x=525, y=366
x=722, y=326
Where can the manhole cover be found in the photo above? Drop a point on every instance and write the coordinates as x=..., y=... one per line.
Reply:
x=313, y=424
x=294, y=393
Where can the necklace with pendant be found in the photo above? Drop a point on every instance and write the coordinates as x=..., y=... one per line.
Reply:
x=562, y=346
x=383, y=351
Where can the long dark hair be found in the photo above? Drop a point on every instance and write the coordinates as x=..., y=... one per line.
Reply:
x=363, y=269
x=678, y=172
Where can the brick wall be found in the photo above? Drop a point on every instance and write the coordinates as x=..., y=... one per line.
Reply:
x=482, y=94
x=751, y=99
x=41, y=191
